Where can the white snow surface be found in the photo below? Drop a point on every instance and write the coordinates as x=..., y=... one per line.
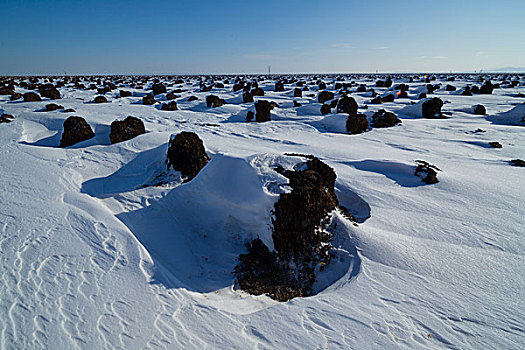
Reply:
x=92, y=259
x=516, y=116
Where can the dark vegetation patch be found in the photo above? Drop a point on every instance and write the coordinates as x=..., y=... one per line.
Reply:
x=432, y=108
x=31, y=97
x=262, y=111
x=384, y=119
x=427, y=172
x=170, y=106
x=6, y=118
x=357, y=124
x=186, y=154
x=126, y=129
x=480, y=110
x=518, y=162
x=76, y=129
x=214, y=101
x=100, y=99
x=53, y=107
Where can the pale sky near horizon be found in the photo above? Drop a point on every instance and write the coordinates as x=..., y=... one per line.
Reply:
x=197, y=36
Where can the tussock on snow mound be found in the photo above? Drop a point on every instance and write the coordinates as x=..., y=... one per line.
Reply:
x=479, y=110
x=214, y=101
x=31, y=97
x=76, y=130
x=262, y=111
x=298, y=233
x=53, y=107
x=384, y=119
x=186, y=154
x=148, y=100
x=100, y=99
x=427, y=172
x=158, y=88
x=325, y=96
x=343, y=123
x=126, y=129
x=515, y=116
x=170, y=106
x=356, y=124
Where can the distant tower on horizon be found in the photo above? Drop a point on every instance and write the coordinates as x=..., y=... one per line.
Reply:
x=269, y=70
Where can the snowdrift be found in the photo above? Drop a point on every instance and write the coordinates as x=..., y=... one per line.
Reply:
x=415, y=110
x=515, y=116
x=196, y=231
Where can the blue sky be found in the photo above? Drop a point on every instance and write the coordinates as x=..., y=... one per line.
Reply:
x=148, y=37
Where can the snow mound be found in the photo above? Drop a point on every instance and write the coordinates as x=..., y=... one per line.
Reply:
x=515, y=116
x=197, y=229
x=45, y=130
x=335, y=123
x=147, y=168
x=275, y=183
x=415, y=110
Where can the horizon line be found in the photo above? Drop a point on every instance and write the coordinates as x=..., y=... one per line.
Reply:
x=517, y=71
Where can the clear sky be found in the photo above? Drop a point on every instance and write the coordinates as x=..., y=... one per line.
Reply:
x=197, y=36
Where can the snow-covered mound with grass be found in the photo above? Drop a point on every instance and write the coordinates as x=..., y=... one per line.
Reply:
x=103, y=247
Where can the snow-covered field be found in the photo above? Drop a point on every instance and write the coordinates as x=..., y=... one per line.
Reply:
x=90, y=258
